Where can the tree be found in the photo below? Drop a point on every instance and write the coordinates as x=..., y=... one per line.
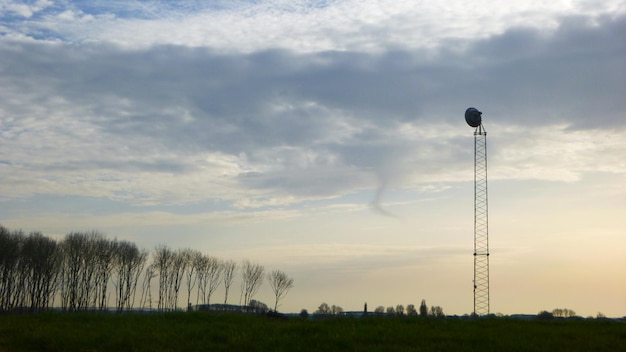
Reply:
x=129, y=264
x=304, y=314
x=258, y=306
x=379, y=310
x=213, y=271
x=545, y=315
x=563, y=313
x=163, y=258
x=410, y=310
x=177, y=268
x=230, y=269
x=281, y=284
x=40, y=257
x=78, y=273
x=10, y=248
x=106, y=253
x=423, y=309
x=323, y=309
x=251, y=280
x=436, y=311
x=391, y=310
x=400, y=309
x=193, y=259
x=146, y=287
x=336, y=310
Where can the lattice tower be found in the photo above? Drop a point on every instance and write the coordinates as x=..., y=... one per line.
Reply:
x=481, y=224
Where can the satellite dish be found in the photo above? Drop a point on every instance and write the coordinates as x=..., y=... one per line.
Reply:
x=472, y=117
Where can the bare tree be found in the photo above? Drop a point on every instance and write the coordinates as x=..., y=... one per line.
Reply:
x=10, y=247
x=209, y=274
x=400, y=309
x=177, y=269
x=251, y=281
x=129, y=265
x=193, y=258
x=41, y=265
x=78, y=276
x=230, y=268
x=214, y=274
x=281, y=284
x=146, y=287
x=105, y=256
x=163, y=258
x=380, y=310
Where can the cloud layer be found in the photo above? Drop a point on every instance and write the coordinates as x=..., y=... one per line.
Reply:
x=177, y=124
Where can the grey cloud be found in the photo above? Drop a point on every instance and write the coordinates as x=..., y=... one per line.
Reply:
x=178, y=100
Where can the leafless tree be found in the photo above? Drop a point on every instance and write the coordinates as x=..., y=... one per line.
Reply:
x=379, y=310
x=10, y=247
x=146, y=287
x=212, y=276
x=251, y=280
x=105, y=254
x=400, y=309
x=209, y=275
x=78, y=271
x=163, y=258
x=281, y=284
x=177, y=273
x=40, y=256
x=194, y=259
x=129, y=265
x=230, y=269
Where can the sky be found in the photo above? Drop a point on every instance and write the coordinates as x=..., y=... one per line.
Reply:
x=326, y=139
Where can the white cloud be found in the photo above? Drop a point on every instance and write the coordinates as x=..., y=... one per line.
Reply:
x=22, y=9
x=302, y=26
x=556, y=153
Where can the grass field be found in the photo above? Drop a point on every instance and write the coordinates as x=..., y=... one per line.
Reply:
x=200, y=331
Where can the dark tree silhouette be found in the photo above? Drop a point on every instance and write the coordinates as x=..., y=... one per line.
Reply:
x=281, y=284
x=230, y=269
x=193, y=259
x=251, y=280
x=129, y=265
x=423, y=309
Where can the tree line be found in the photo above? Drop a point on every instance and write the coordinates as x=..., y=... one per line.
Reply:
x=398, y=310
x=87, y=271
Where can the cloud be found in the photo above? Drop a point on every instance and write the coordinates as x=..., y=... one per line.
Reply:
x=176, y=124
x=302, y=26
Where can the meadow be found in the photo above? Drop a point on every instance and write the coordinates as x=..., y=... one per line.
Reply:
x=202, y=331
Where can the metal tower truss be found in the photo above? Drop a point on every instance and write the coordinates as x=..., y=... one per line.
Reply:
x=481, y=228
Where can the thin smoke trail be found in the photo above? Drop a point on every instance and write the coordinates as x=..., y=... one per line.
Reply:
x=376, y=204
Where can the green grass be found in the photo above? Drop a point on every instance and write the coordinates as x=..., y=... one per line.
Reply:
x=56, y=331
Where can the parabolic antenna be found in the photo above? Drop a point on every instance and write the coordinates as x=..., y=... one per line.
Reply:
x=473, y=117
